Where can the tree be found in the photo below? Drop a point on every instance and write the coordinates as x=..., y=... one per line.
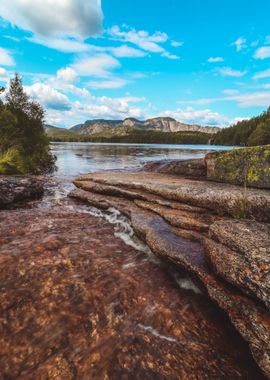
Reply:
x=21, y=130
x=261, y=135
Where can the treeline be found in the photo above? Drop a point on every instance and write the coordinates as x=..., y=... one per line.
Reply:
x=24, y=146
x=138, y=136
x=252, y=132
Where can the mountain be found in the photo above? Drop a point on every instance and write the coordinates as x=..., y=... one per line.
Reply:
x=163, y=124
x=58, y=133
x=95, y=126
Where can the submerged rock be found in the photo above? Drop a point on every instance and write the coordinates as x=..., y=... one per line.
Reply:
x=77, y=302
x=17, y=188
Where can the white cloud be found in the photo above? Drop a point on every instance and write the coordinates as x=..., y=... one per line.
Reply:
x=202, y=117
x=228, y=71
x=177, y=44
x=98, y=66
x=48, y=96
x=67, y=75
x=77, y=18
x=65, y=45
x=230, y=92
x=127, y=51
x=256, y=99
x=143, y=39
x=6, y=58
x=215, y=59
x=108, y=84
x=240, y=44
x=3, y=75
x=262, y=74
x=262, y=52
x=253, y=99
x=99, y=107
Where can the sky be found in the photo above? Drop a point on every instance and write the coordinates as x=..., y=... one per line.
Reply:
x=200, y=62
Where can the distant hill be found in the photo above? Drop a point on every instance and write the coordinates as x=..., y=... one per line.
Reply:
x=128, y=134
x=56, y=133
x=163, y=124
x=255, y=131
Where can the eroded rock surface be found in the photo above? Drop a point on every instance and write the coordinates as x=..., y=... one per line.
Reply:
x=221, y=198
x=189, y=168
x=240, y=253
x=181, y=235
x=77, y=302
x=17, y=188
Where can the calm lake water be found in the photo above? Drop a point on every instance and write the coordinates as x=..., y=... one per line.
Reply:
x=79, y=158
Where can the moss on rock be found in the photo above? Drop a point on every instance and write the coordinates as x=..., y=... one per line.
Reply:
x=247, y=167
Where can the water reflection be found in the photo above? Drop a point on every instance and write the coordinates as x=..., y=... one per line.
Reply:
x=78, y=158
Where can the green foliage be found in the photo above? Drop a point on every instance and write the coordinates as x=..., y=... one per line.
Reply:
x=24, y=146
x=136, y=136
x=261, y=135
x=255, y=131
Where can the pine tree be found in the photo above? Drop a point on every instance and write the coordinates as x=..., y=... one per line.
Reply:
x=22, y=132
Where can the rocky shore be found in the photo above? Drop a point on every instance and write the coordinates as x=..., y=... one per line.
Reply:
x=81, y=297
x=195, y=225
x=18, y=188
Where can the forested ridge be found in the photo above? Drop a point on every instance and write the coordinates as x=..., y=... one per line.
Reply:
x=252, y=132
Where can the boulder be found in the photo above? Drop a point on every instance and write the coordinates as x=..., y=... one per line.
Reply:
x=17, y=188
x=245, y=167
x=188, y=168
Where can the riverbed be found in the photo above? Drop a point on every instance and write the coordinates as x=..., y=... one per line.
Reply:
x=83, y=298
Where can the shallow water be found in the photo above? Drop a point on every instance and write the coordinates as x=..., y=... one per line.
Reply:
x=127, y=313
x=74, y=159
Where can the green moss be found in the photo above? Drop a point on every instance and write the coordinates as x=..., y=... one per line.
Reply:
x=249, y=166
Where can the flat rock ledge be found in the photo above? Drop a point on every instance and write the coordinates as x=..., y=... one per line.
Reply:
x=189, y=223
x=17, y=188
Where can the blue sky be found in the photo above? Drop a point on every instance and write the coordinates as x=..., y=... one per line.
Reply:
x=205, y=62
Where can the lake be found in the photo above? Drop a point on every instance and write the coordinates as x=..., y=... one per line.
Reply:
x=74, y=159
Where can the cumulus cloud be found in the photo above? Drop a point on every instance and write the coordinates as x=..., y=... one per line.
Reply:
x=3, y=75
x=228, y=71
x=6, y=58
x=202, y=117
x=215, y=59
x=262, y=52
x=78, y=18
x=67, y=75
x=98, y=66
x=240, y=44
x=48, y=96
x=99, y=107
